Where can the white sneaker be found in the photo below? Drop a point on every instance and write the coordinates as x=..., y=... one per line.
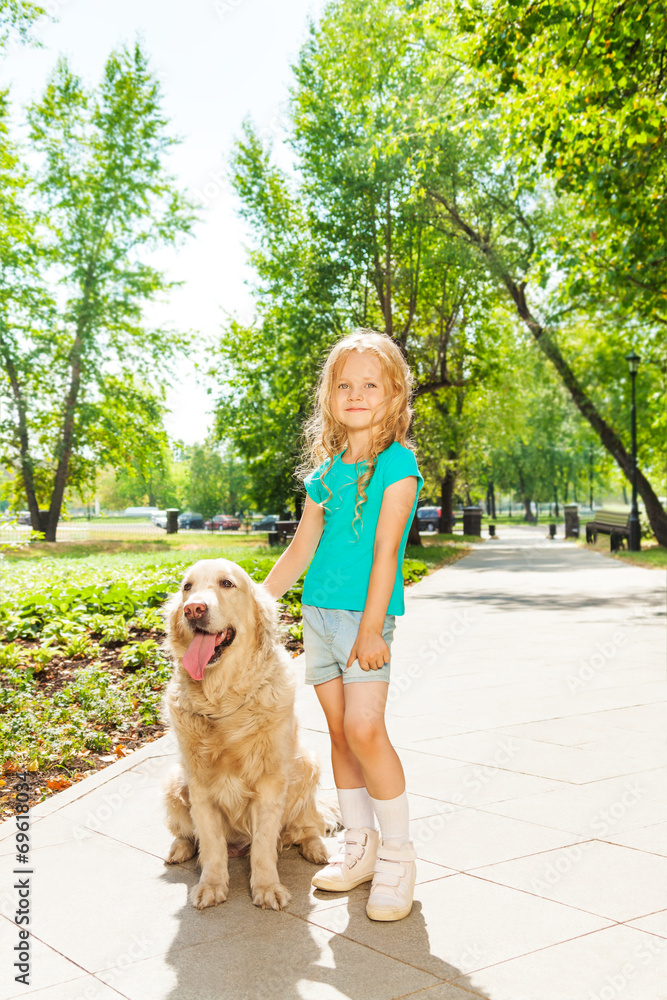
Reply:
x=393, y=882
x=354, y=863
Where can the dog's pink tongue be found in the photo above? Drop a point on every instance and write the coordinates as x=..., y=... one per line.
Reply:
x=199, y=652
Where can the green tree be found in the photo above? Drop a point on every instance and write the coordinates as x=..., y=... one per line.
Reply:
x=269, y=368
x=217, y=481
x=103, y=201
x=581, y=86
x=350, y=242
x=575, y=189
x=16, y=19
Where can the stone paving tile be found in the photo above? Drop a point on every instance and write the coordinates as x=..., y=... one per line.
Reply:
x=477, y=785
x=459, y=924
x=445, y=991
x=648, y=751
x=403, y=732
x=115, y=902
x=468, y=838
x=649, y=718
x=614, y=882
x=521, y=710
x=616, y=963
x=48, y=968
x=597, y=809
x=128, y=809
x=291, y=960
x=654, y=923
x=570, y=731
x=546, y=760
x=649, y=838
x=87, y=988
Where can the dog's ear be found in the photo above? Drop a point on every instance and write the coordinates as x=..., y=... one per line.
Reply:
x=171, y=612
x=266, y=616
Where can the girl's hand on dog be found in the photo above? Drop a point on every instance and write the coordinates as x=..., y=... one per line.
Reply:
x=370, y=649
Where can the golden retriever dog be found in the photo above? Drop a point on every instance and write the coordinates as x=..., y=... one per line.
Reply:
x=243, y=778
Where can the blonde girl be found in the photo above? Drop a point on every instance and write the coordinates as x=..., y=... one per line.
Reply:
x=361, y=500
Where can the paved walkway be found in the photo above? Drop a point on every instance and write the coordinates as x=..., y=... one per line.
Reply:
x=528, y=705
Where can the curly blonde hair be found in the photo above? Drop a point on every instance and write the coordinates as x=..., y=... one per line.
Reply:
x=325, y=437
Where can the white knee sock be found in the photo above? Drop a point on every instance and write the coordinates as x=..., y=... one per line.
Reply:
x=356, y=808
x=394, y=819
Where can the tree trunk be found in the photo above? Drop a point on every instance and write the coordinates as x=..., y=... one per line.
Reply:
x=67, y=438
x=491, y=500
x=527, y=511
x=654, y=510
x=414, y=538
x=447, y=484
x=27, y=471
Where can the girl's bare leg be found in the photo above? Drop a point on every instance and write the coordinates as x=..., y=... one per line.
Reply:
x=366, y=736
x=346, y=768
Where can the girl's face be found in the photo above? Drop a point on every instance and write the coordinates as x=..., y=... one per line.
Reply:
x=359, y=391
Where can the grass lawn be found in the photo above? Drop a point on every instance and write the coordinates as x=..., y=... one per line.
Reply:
x=81, y=669
x=652, y=555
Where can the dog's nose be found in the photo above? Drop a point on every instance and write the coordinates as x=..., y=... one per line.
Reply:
x=195, y=609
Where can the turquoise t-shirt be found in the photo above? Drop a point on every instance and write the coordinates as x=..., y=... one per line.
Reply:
x=339, y=573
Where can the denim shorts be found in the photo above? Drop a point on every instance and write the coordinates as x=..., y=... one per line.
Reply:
x=328, y=637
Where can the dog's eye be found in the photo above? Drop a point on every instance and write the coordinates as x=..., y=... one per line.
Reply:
x=187, y=586
x=226, y=583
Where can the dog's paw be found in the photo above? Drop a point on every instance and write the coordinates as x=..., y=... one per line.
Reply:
x=275, y=897
x=181, y=850
x=204, y=894
x=314, y=850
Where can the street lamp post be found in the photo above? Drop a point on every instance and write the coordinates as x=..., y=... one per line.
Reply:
x=634, y=543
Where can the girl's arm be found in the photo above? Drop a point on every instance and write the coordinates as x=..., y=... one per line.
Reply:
x=300, y=551
x=370, y=648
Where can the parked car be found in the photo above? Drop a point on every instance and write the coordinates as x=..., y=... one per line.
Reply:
x=222, y=522
x=429, y=518
x=266, y=524
x=23, y=517
x=160, y=519
x=140, y=511
x=187, y=521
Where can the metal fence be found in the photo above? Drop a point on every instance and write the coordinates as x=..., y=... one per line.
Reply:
x=83, y=530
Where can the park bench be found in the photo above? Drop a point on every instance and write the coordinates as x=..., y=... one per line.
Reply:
x=610, y=521
x=282, y=531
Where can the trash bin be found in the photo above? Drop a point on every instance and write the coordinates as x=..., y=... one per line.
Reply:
x=172, y=520
x=43, y=520
x=472, y=521
x=571, y=520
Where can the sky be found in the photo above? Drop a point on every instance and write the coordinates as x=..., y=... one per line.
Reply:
x=218, y=61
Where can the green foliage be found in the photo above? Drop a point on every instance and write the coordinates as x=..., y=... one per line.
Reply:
x=64, y=618
x=140, y=654
x=582, y=87
x=413, y=570
x=82, y=372
x=350, y=240
x=111, y=629
x=16, y=20
x=59, y=609
x=116, y=596
x=206, y=471
x=94, y=691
